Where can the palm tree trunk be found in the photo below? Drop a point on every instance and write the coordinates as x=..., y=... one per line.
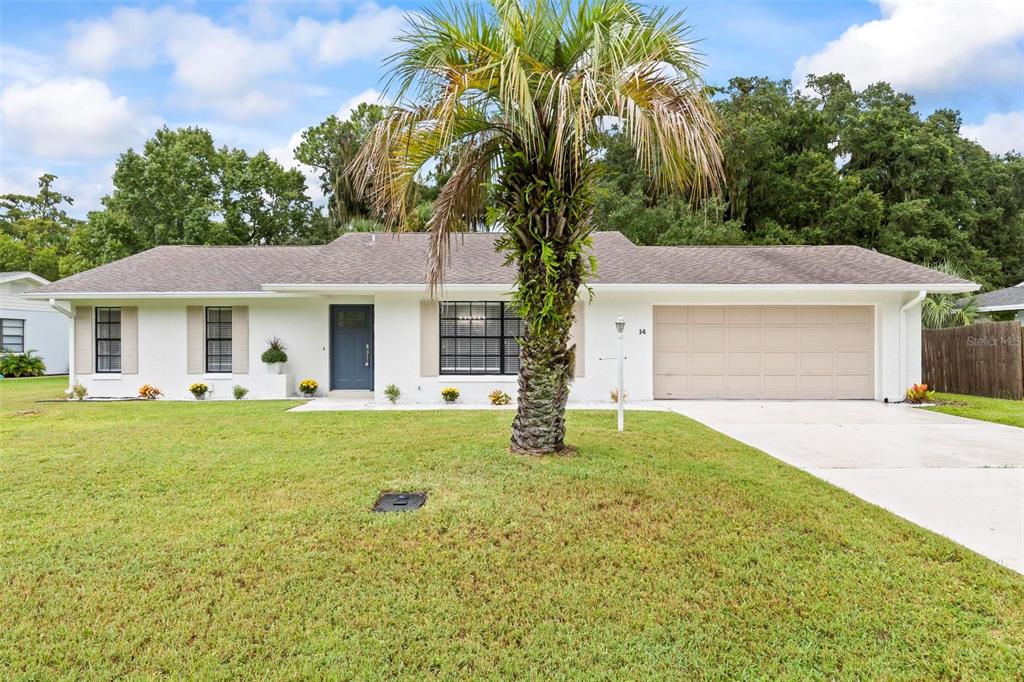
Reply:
x=544, y=377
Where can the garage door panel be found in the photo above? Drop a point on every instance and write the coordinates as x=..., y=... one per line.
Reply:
x=707, y=314
x=853, y=386
x=708, y=386
x=671, y=314
x=780, y=338
x=779, y=314
x=815, y=386
x=677, y=386
x=707, y=363
x=743, y=338
x=854, y=338
x=743, y=363
x=672, y=336
x=859, y=315
x=817, y=363
x=757, y=352
x=817, y=339
x=707, y=338
x=815, y=315
x=669, y=362
x=780, y=386
x=743, y=315
x=743, y=386
x=780, y=363
x=853, y=363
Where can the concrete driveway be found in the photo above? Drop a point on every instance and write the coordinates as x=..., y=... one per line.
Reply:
x=961, y=478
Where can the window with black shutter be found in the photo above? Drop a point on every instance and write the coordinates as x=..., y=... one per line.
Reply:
x=108, y=340
x=218, y=339
x=479, y=337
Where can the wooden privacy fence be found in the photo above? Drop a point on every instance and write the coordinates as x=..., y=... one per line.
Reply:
x=982, y=359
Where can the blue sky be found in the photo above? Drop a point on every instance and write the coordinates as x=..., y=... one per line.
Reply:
x=82, y=81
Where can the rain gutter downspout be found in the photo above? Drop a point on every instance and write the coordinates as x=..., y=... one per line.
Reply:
x=901, y=333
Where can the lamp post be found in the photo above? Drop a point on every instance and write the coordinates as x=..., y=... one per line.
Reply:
x=620, y=326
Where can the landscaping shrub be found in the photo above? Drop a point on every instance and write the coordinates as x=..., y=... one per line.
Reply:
x=22, y=364
x=919, y=393
x=392, y=392
x=614, y=394
x=308, y=387
x=239, y=391
x=78, y=391
x=149, y=392
x=499, y=397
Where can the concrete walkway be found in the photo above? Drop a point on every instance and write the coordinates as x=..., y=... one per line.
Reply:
x=333, y=404
x=961, y=478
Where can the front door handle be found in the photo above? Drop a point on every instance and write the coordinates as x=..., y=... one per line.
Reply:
x=367, y=357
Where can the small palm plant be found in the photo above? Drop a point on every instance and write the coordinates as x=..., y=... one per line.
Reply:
x=25, y=364
x=950, y=310
x=512, y=95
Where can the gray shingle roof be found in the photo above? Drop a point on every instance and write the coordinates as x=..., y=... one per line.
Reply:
x=367, y=259
x=1011, y=296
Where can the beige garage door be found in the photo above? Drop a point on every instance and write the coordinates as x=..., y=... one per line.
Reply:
x=764, y=352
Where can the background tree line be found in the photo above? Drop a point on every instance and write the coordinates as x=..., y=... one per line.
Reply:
x=824, y=165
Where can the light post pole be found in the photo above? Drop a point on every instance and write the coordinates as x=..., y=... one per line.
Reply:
x=620, y=326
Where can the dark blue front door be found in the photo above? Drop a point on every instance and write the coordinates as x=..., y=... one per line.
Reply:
x=352, y=347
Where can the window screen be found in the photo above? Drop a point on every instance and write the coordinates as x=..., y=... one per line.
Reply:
x=218, y=339
x=13, y=333
x=108, y=340
x=479, y=337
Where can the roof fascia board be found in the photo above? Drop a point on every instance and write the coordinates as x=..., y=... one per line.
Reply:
x=937, y=288
x=24, y=275
x=1000, y=308
x=85, y=295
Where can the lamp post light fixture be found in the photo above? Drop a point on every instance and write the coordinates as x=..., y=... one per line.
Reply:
x=620, y=326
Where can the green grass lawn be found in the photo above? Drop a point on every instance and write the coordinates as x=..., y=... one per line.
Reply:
x=226, y=539
x=987, y=409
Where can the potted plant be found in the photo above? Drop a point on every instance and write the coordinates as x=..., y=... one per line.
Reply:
x=450, y=394
x=274, y=356
x=308, y=387
x=199, y=390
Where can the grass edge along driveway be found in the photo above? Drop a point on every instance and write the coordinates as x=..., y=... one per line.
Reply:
x=230, y=539
x=996, y=410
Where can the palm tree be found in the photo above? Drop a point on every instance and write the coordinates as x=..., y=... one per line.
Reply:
x=949, y=310
x=513, y=93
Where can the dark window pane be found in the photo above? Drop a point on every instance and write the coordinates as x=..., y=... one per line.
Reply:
x=218, y=339
x=108, y=339
x=478, y=337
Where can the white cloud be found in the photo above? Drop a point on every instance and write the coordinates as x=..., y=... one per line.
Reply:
x=69, y=117
x=368, y=96
x=238, y=70
x=17, y=64
x=127, y=39
x=998, y=133
x=926, y=45
x=366, y=34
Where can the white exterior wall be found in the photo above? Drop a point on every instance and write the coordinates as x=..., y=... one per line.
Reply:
x=46, y=330
x=303, y=324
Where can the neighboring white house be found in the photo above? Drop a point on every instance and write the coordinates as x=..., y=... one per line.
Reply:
x=32, y=325
x=776, y=322
x=1010, y=299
